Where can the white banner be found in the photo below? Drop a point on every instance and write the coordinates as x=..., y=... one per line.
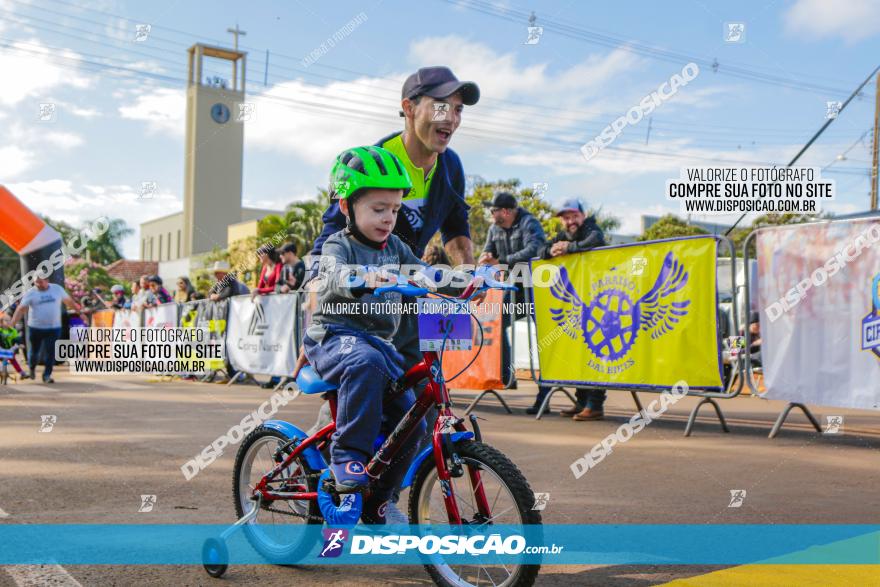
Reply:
x=126, y=319
x=260, y=334
x=163, y=316
x=819, y=302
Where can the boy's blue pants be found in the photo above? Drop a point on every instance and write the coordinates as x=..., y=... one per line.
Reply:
x=363, y=368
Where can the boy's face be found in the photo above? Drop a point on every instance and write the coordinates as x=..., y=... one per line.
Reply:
x=154, y=286
x=287, y=257
x=376, y=212
x=5, y=322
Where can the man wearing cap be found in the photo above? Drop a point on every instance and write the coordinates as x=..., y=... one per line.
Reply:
x=227, y=285
x=514, y=237
x=579, y=233
x=432, y=101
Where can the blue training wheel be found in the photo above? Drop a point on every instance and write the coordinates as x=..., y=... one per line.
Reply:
x=346, y=512
x=215, y=557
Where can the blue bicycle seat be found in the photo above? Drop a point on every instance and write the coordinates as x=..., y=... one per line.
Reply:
x=309, y=382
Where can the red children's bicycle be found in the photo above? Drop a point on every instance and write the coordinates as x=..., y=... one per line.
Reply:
x=280, y=476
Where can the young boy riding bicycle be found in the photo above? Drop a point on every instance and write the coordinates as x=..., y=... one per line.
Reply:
x=352, y=348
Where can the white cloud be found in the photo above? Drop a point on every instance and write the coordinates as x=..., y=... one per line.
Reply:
x=62, y=140
x=77, y=204
x=852, y=21
x=163, y=109
x=28, y=71
x=14, y=160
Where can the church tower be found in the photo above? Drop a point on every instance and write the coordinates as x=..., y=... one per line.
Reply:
x=215, y=115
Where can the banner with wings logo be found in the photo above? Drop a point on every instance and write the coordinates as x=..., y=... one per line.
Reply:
x=635, y=316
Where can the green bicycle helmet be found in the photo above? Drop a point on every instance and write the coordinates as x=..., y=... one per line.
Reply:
x=362, y=168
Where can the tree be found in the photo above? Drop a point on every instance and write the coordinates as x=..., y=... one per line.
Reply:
x=306, y=222
x=81, y=277
x=670, y=226
x=104, y=248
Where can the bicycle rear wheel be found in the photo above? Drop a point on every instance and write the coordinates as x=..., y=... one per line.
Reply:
x=510, y=500
x=270, y=532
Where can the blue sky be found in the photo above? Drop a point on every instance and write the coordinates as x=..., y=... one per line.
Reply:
x=116, y=128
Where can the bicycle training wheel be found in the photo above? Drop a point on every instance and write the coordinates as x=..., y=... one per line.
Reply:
x=273, y=531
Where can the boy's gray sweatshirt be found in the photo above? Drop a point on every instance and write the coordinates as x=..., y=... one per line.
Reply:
x=336, y=303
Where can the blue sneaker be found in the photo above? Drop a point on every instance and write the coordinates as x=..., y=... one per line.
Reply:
x=351, y=476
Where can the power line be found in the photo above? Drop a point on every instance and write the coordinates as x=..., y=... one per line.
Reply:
x=819, y=132
x=581, y=117
x=644, y=49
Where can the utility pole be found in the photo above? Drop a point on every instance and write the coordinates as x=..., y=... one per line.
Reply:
x=876, y=145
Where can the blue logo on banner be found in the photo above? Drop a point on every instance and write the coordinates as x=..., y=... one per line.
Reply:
x=871, y=322
x=611, y=322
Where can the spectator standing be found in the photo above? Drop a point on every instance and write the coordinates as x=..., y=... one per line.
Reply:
x=293, y=271
x=270, y=272
x=118, y=301
x=42, y=305
x=184, y=291
x=160, y=293
x=227, y=285
x=514, y=237
x=144, y=296
x=579, y=233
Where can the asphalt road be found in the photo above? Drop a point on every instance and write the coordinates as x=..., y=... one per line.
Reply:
x=115, y=439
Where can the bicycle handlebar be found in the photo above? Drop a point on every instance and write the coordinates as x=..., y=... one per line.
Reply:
x=486, y=272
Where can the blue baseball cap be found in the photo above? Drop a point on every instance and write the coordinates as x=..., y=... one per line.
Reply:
x=439, y=82
x=572, y=205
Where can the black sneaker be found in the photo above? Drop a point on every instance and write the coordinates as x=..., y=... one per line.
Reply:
x=47, y=379
x=532, y=410
x=268, y=385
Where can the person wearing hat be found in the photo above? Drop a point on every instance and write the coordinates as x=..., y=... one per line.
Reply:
x=118, y=302
x=227, y=285
x=579, y=233
x=515, y=235
x=432, y=102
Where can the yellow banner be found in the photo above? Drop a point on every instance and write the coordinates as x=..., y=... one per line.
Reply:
x=634, y=316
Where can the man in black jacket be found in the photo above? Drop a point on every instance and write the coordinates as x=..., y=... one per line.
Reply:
x=580, y=233
x=514, y=238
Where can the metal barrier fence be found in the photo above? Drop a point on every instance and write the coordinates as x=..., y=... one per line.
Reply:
x=707, y=397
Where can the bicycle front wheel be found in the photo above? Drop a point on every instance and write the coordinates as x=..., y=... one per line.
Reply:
x=509, y=498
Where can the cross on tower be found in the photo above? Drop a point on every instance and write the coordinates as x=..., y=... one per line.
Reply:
x=235, y=32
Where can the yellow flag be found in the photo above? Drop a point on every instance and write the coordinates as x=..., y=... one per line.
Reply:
x=634, y=316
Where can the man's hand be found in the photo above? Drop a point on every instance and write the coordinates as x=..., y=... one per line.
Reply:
x=374, y=279
x=560, y=248
x=214, y=297
x=488, y=259
x=285, y=289
x=301, y=361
